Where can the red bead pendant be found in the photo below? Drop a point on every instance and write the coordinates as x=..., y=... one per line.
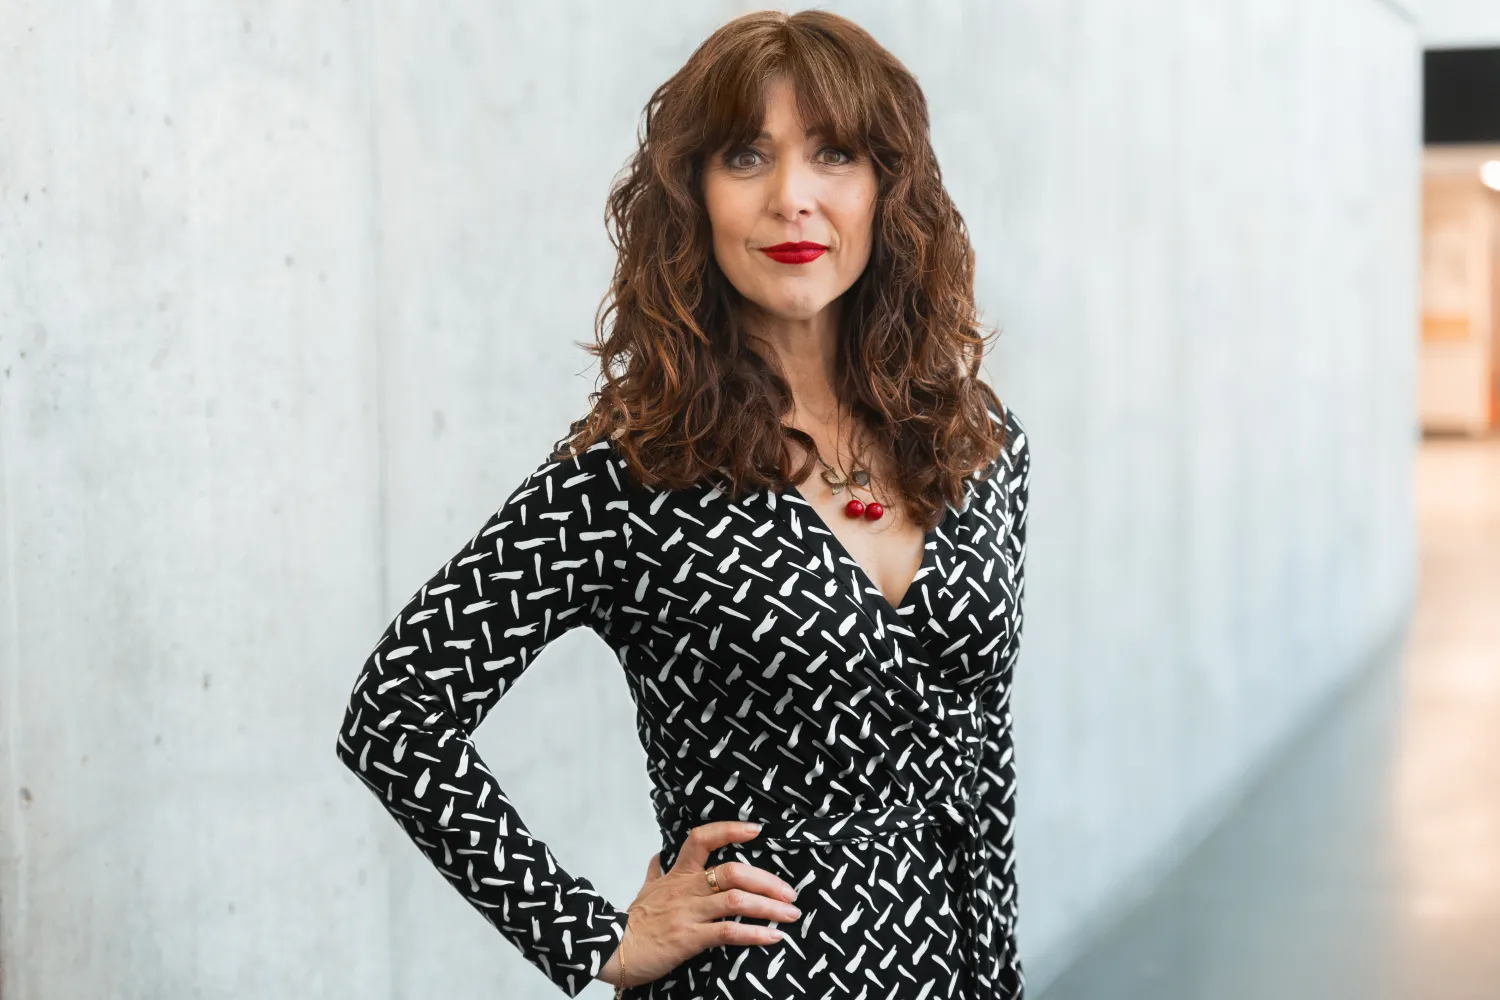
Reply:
x=873, y=510
x=854, y=507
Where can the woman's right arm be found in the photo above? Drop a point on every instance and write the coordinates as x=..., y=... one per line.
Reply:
x=549, y=559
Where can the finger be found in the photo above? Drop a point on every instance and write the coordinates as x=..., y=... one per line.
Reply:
x=701, y=840
x=742, y=903
x=740, y=875
x=653, y=867
x=734, y=932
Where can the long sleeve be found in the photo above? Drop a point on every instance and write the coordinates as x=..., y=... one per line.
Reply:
x=551, y=558
x=998, y=771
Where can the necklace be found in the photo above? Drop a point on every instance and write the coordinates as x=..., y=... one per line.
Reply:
x=855, y=507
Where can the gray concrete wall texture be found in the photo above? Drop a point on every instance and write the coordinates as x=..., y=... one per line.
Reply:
x=288, y=304
x=1460, y=24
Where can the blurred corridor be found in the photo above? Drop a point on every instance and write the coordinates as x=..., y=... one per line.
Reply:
x=1365, y=863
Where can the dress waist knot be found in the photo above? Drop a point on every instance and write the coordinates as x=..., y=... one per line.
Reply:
x=956, y=818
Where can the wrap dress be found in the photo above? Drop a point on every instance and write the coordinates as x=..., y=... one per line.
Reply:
x=773, y=682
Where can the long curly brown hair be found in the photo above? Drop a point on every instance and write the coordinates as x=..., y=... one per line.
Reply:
x=684, y=395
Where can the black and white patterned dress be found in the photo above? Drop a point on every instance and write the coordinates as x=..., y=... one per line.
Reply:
x=773, y=682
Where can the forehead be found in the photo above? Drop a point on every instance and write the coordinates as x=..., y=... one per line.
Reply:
x=774, y=131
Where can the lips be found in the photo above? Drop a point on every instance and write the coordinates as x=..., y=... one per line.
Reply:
x=794, y=253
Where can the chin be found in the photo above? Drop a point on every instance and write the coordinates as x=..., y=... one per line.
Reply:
x=795, y=309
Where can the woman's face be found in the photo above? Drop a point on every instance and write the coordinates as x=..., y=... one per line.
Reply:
x=788, y=187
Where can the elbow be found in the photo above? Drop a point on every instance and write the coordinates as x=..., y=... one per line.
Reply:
x=342, y=751
x=343, y=748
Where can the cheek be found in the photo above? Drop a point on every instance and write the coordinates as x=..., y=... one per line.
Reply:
x=857, y=229
x=856, y=218
x=726, y=213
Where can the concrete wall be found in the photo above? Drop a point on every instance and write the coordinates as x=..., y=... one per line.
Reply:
x=1205, y=245
x=288, y=302
x=1459, y=24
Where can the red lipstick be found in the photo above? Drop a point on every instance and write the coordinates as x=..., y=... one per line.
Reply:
x=794, y=253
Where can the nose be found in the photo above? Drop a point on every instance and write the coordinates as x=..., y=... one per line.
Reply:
x=793, y=189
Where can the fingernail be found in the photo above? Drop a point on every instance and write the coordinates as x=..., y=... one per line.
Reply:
x=777, y=933
x=753, y=827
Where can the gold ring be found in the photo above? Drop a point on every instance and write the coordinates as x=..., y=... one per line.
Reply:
x=713, y=878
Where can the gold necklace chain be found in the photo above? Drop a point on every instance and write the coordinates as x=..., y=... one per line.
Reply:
x=872, y=509
x=859, y=476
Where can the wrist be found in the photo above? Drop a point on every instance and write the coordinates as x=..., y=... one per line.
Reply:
x=614, y=971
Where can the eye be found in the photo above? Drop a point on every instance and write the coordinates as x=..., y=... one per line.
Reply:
x=848, y=157
x=732, y=158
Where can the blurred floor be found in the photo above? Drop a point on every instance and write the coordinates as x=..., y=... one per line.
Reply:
x=1366, y=863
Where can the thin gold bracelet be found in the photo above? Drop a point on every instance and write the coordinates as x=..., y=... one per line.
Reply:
x=620, y=986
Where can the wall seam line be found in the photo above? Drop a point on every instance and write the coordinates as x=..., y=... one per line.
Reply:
x=1400, y=9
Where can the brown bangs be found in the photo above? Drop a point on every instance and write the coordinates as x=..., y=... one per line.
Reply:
x=819, y=70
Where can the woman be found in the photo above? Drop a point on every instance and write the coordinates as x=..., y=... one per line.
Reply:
x=826, y=657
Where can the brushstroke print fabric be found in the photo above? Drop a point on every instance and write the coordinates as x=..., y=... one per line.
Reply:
x=773, y=682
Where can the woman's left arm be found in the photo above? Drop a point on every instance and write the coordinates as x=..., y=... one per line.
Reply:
x=997, y=781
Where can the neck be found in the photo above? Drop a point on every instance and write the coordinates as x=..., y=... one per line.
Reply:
x=807, y=349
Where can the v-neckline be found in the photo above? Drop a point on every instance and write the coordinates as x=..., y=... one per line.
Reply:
x=867, y=583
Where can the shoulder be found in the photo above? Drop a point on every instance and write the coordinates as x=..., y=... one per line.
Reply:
x=1013, y=464
x=599, y=465
x=589, y=482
